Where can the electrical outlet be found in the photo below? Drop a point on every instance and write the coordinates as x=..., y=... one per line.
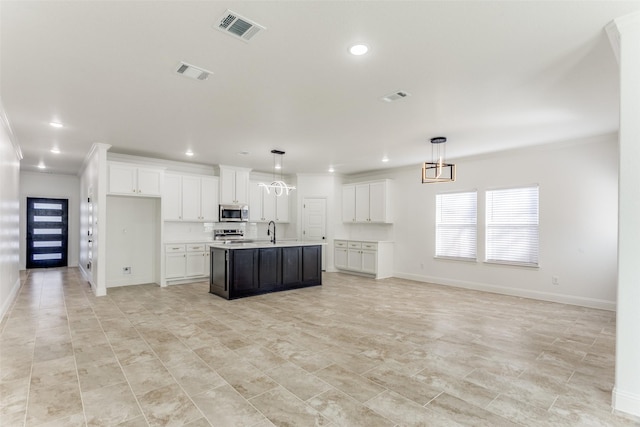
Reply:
x=126, y=270
x=555, y=280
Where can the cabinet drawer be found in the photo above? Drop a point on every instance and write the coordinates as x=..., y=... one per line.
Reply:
x=340, y=244
x=370, y=246
x=196, y=247
x=173, y=248
x=355, y=245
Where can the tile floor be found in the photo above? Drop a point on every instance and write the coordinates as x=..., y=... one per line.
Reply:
x=354, y=352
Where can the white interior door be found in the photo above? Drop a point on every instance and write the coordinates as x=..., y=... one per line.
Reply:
x=314, y=223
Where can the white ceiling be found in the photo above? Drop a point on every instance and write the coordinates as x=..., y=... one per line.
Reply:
x=490, y=76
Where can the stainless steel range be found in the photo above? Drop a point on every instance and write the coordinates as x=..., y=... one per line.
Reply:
x=228, y=235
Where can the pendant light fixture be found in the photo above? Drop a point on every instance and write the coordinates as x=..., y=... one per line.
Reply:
x=278, y=186
x=437, y=170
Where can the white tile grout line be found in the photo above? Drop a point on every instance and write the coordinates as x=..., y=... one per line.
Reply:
x=75, y=363
x=33, y=356
x=161, y=362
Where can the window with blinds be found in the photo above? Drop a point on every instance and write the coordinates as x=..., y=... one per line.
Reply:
x=512, y=226
x=456, y=225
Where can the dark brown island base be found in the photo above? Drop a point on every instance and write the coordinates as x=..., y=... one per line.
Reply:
x=245, y=269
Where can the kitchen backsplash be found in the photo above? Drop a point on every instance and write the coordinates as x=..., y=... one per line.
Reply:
x=203, y=232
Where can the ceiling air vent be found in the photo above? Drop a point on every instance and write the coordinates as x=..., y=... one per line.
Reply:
x=238, y=26
x=193, y=72
x=395, y=96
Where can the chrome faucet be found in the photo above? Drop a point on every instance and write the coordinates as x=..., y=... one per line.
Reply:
x=273, y=239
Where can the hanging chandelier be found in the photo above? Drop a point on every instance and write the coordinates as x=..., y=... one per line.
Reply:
x=278, y=186
x=437, y=170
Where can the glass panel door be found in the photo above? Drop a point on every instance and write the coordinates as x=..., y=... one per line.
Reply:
x=47, y=232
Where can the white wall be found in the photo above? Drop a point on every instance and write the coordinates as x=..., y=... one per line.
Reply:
x=133, y=239
x=47, y=185
x=9, y=215
x=578, y=222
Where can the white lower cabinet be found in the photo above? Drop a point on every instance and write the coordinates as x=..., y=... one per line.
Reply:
x=186, y=261
x=364, y=257
x=175, y=261
x=340, y=254
x=197, y=258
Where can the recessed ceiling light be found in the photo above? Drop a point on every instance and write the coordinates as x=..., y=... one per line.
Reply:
x=55, y=124
x=189, y=153
x=55, y=150
x=41, y=165
x=331, y=169
x=358, y=49
x=385, y=159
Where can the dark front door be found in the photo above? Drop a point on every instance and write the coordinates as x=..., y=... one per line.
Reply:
x=47, y=228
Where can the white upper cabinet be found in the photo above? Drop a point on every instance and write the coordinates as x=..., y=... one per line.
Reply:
x=191, y=194
x=349, y=203
x=367, y=202
x=172, y=197
x=282, y=208
x=209, y=188
x=132, y=180
x=362, y=203
x=379, y=202
x=265, y=207
x=234, y=185
x=190, y=198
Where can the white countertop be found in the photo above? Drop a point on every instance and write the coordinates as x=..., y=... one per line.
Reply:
x=185, y=241
x=362, y=240
x=262, y=244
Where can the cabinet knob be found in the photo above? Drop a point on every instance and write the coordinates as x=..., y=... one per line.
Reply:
x=134, y=190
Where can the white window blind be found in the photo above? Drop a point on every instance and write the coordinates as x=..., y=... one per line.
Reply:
x=456, y=225
x=512, y=226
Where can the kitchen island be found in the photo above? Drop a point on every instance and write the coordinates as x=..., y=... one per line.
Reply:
x=242, y=269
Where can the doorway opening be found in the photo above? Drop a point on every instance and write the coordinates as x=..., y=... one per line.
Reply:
x=47, y=232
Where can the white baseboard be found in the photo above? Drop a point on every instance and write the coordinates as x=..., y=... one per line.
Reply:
x=130, y=280
x=10, y=298
x=624, y=401
x=525, y=293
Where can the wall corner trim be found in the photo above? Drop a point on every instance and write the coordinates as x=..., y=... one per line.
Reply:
x=615, y=28
x=10, y=299
x=12, y=137
x=625, y=401
x=94, y=148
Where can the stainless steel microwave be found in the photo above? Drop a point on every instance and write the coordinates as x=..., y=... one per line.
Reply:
x=234, y=213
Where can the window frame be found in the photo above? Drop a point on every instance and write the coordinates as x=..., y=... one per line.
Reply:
x=473, y=225
x=487, y=227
